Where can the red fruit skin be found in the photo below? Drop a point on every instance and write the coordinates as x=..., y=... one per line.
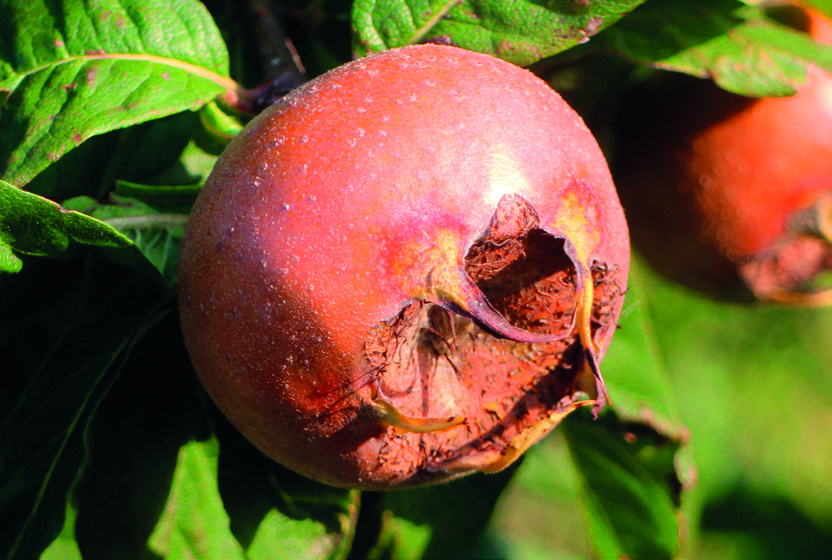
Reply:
x=748, y=166
x=305, y=237
x=763, y=163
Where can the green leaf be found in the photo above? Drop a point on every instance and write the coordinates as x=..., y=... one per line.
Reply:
x=276, y=513
x=193, y=167
x=219, y=124
x=540, y=515
x=79, y=172
x=630, y=510
x=74, y=70
x=144, y=151
x=197, y=524
x=64, y=546
x=756, y=395
x=168, y=199
x=32, y=225
x=727, y=40
x=401, y=539
x=445, y=521
x=42, y=439
x=139, y=153
x=520, y=31
x=194, y=523
x=636, y=376
x=825, y=6
x=157, y=234
x=155, y=407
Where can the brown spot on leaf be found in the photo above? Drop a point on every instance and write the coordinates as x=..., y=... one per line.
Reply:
x=593, y=25
x=92, y=73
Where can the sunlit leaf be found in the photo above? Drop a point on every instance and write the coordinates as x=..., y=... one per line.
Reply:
x=630, y=512
x=74, y=70
x=32, y=225
x=64, y=547
x=520, y=31
x=752, y=381
x=637, y=379
x=202, y=521
x=727, y=40
x=194, y=523
x=435, y=522
x=276, y=513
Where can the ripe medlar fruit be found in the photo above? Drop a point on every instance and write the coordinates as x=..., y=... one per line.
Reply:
x=722, y=184
x=406, y=270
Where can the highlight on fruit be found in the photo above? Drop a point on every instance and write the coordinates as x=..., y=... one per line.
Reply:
x=406, y=270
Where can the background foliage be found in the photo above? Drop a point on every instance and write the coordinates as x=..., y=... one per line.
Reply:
x=112, y=113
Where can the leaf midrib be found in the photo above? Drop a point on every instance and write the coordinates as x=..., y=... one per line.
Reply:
x=225, y=82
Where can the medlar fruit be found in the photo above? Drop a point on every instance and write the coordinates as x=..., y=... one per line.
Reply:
x=406, y=270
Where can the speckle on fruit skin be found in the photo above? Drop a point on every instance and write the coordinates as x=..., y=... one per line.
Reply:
x=338, y=228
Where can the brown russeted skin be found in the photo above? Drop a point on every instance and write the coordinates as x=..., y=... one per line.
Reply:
x=756, y=175
x=406, y=270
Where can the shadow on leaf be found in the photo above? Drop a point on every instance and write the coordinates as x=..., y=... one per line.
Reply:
x=773, y=527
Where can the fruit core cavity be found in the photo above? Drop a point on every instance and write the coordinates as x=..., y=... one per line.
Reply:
x=458, y=396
